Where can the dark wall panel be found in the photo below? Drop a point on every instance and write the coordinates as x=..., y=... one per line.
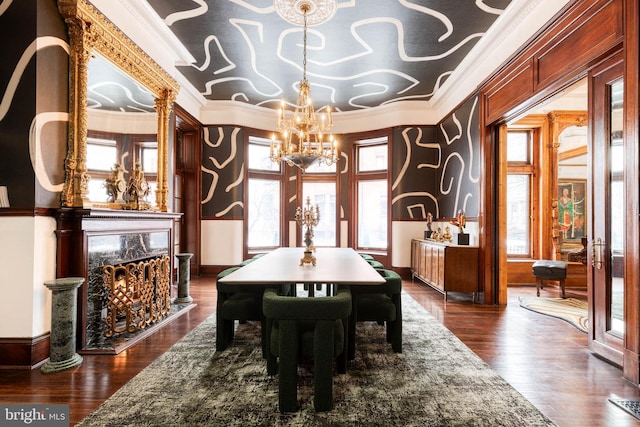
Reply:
x=222, y=173
x=416, y=156
x=34, y=117
x=458, y=183
x=18, y=24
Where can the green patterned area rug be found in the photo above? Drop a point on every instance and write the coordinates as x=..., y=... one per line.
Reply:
x=436, y=381
x=572, y=310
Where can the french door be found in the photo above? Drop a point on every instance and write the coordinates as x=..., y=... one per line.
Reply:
x=609, y=216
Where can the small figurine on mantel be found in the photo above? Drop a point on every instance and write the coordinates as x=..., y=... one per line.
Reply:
x=447, y=234
x=116, y=185
x=437, y=235
x=460, y=222
x=429, y=232
x=138, y=189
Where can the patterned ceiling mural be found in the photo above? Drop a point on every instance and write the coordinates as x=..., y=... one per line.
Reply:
x=109, y=88
x=369, y=54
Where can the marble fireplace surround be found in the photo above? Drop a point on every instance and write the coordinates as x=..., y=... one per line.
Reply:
x=89, y=240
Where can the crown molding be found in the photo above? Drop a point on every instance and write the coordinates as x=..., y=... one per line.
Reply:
x=513, y=29
x=142, y=25
x=386, y=116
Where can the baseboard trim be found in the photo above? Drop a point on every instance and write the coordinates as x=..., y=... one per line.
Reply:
x=24, y=353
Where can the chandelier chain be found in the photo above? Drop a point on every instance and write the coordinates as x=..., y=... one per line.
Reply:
x=304, y=45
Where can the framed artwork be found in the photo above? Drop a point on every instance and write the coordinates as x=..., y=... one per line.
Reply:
x=572, y=213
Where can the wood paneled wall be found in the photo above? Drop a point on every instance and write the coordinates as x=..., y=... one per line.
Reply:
x=584, y=34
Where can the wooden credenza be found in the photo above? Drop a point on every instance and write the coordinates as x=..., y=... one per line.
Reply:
x=445, y=267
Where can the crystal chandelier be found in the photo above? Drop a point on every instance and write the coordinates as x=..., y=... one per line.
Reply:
x=305, y=139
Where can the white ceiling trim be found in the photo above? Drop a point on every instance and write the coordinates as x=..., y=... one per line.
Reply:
x=513, y=29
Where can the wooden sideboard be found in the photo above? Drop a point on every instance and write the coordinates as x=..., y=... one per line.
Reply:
x=445, y=267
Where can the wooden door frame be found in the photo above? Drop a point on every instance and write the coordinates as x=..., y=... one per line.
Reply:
x=549, y=63
x=190, y=157
x=525, y=81
x=631, y=356
x=601, y=342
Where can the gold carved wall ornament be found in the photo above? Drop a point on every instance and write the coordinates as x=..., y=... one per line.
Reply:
x=89, y=33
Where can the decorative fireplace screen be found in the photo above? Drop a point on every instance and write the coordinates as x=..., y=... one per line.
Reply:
x=138, y=294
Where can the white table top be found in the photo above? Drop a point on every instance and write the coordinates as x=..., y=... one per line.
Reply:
x=333, y=265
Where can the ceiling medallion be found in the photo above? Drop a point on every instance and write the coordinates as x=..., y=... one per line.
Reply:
x=318, y=11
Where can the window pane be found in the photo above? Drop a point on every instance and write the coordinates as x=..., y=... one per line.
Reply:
x=259, y=155
x=263, y=213
x=372, y=214
x=518, y=214
x=101, y=155
x=322, y=194
x=372, y=158
x=518, y=147
x=321, y=167
x=97, y=190
x=150, y=159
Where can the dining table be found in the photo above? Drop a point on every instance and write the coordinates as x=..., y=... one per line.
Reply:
x=334, y=266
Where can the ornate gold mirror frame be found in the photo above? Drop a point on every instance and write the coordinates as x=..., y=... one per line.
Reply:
x=559, y=121
x=90, y=31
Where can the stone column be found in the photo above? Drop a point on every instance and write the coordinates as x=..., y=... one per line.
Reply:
x=184, y=278
x=63, y=324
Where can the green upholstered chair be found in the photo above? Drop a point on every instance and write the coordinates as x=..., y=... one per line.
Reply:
x=366, y=257
x=236, y=302
x=312, y=328
x=376, y=264
x=378, y=303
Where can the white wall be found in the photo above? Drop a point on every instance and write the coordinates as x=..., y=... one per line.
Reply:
x=27, y=260
x=221, y=242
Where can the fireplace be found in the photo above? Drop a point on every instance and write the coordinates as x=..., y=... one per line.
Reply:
x=126, y=258
x=137, y=294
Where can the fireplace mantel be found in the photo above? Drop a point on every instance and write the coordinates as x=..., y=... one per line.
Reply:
x=88, y=239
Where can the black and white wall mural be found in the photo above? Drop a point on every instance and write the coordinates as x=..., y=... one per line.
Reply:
x=33, y=102
x=416, y=156
x=435, y=169
x=458, y=184
x=222, y=169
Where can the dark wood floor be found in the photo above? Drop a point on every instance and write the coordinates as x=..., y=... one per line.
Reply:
x=545, y=359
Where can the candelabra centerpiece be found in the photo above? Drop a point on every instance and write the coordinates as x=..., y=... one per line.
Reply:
x=308, y=217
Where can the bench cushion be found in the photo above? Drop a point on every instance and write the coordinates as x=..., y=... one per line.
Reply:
x=547, y=269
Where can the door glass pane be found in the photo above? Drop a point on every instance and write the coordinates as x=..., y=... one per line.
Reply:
x=518, y=214
x=616, y=210
x=372, y=214
x=322, y=194
x=263, y=213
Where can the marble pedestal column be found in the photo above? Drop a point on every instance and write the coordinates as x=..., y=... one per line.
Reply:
x=63, y=324
x=184, y=278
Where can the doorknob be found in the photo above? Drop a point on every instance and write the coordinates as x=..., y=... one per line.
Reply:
x=596, y=253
